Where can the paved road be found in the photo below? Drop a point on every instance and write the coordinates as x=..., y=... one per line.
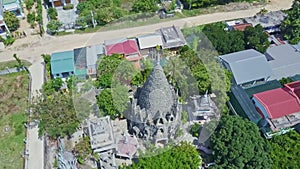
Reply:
x=31, y=49
x=35, y=145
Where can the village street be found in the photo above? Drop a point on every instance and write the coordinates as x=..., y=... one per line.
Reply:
x=32, y=47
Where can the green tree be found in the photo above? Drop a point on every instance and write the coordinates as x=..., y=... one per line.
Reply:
x=286, y=150
x=52, y=13
x=52, y=86
x=29, y=4
x=195, y=129
x=20, y=63
x=291, y=25
x=182, y=156
x=197, y=68
x=83, y=148
x=12, y=22
x=106, y=69
x=31, y=19
x=53, y=26
x=256, y=38
x=144, y=6
x=285, y=80
x=113, y=102
x=224, y=41
x=56, y=114
x=237, y=144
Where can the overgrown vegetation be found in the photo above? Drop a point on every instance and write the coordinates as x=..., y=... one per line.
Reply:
x=233, y=41
x=13, y=64
x=12, y=22
x=182, y=156
x=286, y=150
x=237, y=143
x=290, y=26
x=194, y=4
x=13, y=98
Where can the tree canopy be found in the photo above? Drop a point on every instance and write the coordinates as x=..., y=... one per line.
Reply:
x=104, y=11
x=256, y=38
x=56, y=114
x=145, y=6
x=237, y=144
x=12, y=22
x=233, y=41
x=286, y=150
x=291, y=25
x=224, y=41
x=113, y=101
x=182, y=156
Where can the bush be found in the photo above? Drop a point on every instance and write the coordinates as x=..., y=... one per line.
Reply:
x=31, y=19
x=12, y=22
x=53, y=26
x=68, y=7
x=29, y=4
x=8, y=41
x=52, y=13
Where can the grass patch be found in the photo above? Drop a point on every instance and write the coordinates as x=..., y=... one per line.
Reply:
x=12, y=64
x=13, y=98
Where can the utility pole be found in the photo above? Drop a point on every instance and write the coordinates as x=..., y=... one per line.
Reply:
x=93, y=20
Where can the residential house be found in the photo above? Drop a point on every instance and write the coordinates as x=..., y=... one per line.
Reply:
x=249, y=67
x=126, y=47
x=80, y=62
x=279, y=108
x=270, y=21
x=59, y=3
x=172, y=37
x=237, y=25
x=284, y=60
x=148, y=43
x=13, y=6
x=3, y=28
x=62, y=64
x=93, y=53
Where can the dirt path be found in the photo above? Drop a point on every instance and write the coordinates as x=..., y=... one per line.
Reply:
x=32, y=47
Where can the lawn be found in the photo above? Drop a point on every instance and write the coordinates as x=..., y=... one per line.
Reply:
x=13, y=98
x=11, y=64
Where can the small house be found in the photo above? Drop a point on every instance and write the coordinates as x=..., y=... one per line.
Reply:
x=62, y=64
x=13, y=6
x=172, y=37
x=148, y=43
x=3, y=28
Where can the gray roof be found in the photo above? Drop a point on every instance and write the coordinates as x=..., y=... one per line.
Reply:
x=284, y=60
x=172, y=37
x=101, y=134
x=92, y=53
x=149, y=41
x=270, y=19
x=247, y=65
x=156, y=95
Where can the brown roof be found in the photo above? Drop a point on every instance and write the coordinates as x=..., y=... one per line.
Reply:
x=241, y=27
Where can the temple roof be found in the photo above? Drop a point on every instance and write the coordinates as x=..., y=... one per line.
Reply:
x=156, y=95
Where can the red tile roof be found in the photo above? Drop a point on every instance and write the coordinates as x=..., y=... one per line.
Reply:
x=278, y=102
x=241, y=27
x=127, y=47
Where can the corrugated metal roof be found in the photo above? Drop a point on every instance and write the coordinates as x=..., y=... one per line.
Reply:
x=285, y=62
x=240, y=100
x=62, y=62
x=149, y=41
x=278, y=102
x=247, y=65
